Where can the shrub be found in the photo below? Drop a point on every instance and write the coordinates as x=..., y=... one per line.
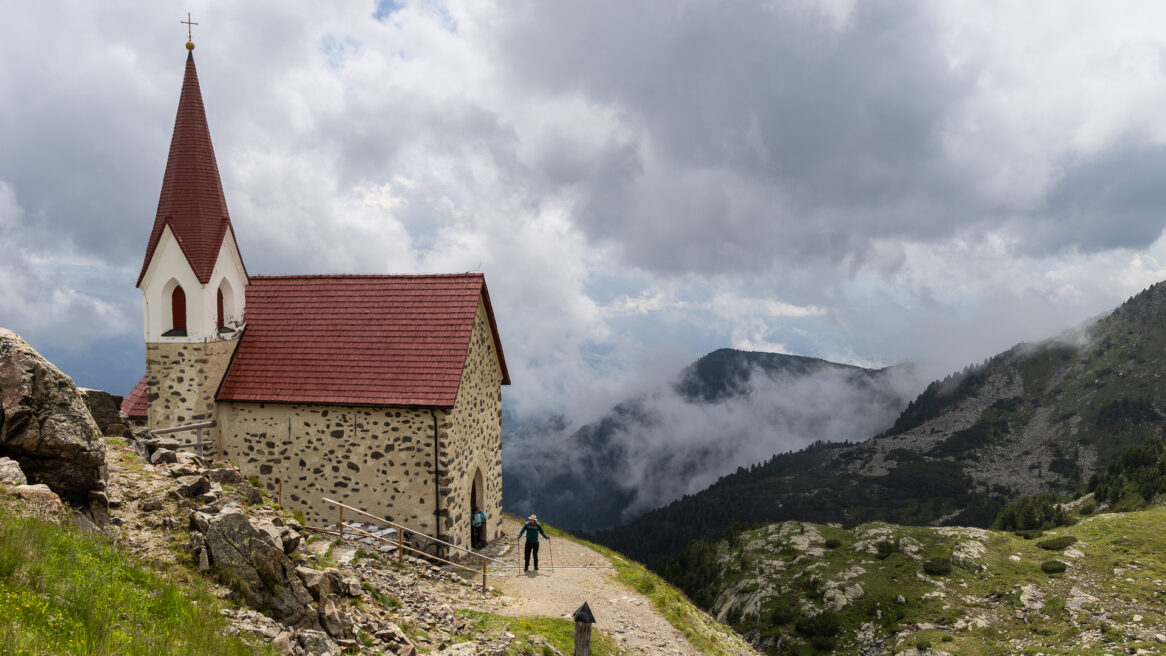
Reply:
x=1088, y=508
x=1030, y=534
x=1038, y=511
x=1057, y=543
x=824, y=625
x=1053, y=567
x=938, y=566
x=254, y=481
x=886, y=548
x=783, y=613
x=833, y=543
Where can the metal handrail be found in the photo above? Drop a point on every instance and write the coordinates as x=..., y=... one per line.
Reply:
x=400, y=527
x=400, y=542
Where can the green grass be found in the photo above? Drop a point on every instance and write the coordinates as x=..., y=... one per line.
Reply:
x=1117, y=559
x=66, y=593
x=560, y=633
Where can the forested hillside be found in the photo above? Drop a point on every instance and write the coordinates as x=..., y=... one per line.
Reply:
x=1037, y=418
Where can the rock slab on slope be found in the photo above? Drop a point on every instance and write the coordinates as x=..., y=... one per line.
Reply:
x=45, y=424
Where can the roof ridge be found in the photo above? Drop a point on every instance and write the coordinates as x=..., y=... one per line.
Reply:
x=295, y=276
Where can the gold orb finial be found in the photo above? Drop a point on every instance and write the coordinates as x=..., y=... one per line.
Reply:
x=189, y=36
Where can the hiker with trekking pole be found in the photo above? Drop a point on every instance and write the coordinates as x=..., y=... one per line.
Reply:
x=532, y=529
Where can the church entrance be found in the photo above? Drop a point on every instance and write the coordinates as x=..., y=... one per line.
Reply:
x=479, y=536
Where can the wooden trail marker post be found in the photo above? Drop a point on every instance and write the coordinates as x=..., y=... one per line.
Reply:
x=583, y=621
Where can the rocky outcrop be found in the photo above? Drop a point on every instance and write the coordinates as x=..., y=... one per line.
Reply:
x=252, y=555
x=256, y=563
x=46, y=426
x=106, y=411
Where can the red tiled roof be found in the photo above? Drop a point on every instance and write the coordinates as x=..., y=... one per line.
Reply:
x=134, y=403
x=192, y=201
x=357, y=340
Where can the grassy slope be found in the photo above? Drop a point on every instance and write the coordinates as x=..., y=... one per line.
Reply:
x=62, y=592
x=1111, y=596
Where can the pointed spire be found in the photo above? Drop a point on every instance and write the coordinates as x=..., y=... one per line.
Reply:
x=192, y=201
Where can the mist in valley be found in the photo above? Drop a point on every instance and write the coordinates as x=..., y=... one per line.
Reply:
x=681, y=437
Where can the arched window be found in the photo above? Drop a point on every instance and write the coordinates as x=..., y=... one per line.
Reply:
x=220, y=322
x=178, y=312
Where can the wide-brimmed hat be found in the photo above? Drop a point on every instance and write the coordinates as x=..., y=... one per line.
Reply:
x=533, y=518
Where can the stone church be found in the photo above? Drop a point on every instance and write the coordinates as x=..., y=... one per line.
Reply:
x=380, y=391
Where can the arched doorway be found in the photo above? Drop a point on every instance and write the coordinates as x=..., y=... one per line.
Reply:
x=477, y=500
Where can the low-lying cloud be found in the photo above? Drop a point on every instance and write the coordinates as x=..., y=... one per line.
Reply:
x=656, y=448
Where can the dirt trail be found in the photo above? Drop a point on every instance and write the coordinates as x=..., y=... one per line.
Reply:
x=581, y=575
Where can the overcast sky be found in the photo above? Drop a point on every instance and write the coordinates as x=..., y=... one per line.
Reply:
x=641, y=182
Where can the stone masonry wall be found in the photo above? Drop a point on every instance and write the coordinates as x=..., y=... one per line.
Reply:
x=182, y=379
x=476, y=430
x=381, y=460
x=377, y=459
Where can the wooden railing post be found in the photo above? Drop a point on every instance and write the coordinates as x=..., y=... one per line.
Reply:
x=341, y=524
x=280, y=484
x=400, y=546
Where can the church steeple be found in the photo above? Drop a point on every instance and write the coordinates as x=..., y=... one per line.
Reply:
x=192, y=202
x=192, y=280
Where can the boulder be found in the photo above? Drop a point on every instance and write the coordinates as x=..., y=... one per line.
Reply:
x=227, y=476
x=266, y=577
x=193, y=486
x=106, y=410
x=45, y=424
x=317, y=642
x=40, y=500
x=283, y=643
x=966, y=555
x=334, y=622
x=10, y=472
x=163, y=456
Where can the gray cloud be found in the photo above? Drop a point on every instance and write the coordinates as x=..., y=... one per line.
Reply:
x=913, y=171
x=760, y=132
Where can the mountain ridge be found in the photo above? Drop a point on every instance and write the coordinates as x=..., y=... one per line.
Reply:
x=1035, y=418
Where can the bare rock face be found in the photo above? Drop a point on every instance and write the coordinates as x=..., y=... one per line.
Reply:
x=45, y=424
x=106, y=410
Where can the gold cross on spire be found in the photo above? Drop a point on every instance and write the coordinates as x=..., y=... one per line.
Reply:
x=189, y=37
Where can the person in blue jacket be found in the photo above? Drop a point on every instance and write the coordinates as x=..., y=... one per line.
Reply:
x=477, y=527
x=532, y=528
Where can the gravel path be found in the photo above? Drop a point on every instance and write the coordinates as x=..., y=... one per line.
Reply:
x=582, y=575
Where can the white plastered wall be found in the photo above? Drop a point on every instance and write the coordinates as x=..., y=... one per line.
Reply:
x=168, y=268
